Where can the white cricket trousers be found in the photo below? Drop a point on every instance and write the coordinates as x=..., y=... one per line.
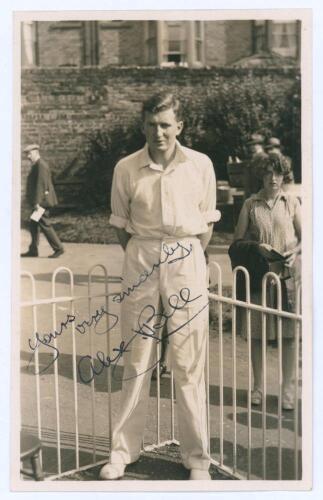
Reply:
x=172, y=279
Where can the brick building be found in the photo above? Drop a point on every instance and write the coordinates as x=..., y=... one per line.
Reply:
x=155, y=43
x=83, y=76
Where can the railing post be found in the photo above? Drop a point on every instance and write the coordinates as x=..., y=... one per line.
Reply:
x=56, y=383
x=91, y=340
x=297, y=347
x=218, y=279
x=234, y=361
x=27, y=274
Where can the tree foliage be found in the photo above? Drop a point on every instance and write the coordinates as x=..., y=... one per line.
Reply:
x=218, y=124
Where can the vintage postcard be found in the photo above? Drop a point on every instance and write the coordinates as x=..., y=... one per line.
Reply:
x=162, y=332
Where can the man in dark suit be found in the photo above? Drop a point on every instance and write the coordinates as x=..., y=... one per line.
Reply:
x=40, y=194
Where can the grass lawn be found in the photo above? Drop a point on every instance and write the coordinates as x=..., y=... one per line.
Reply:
x=93, y=227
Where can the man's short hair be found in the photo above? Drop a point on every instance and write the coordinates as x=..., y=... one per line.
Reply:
x=162, y=102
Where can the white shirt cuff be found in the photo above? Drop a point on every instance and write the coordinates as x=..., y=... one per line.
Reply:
x=117, y=221
x=212, y=216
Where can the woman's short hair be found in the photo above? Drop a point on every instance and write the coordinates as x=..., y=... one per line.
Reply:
x=278, y=162
x=162, y=102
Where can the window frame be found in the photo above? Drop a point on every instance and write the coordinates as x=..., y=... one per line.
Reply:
x=268, y=37
x=187, y=52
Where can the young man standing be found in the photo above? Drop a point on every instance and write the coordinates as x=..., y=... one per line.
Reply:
x=163, y=206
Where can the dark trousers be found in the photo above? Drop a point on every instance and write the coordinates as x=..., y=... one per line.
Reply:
x=45, y=225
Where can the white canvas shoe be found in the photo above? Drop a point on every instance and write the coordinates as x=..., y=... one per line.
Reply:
x=200, y=475
x=112, y=471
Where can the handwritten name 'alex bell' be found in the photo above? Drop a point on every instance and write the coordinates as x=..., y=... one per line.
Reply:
x=149, y=323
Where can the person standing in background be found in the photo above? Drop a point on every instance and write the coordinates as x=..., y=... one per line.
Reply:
x=252, y=184
x=41, y=196
x=271, y=220
x=274, y=146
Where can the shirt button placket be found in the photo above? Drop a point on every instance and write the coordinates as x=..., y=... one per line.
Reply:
x=165, y=207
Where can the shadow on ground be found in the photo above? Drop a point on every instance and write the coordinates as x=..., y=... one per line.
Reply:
x=163, y=464
x=258, y=466
x=65, y=369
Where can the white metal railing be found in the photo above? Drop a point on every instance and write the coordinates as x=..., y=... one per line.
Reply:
x=220, y=299
x=78, y=441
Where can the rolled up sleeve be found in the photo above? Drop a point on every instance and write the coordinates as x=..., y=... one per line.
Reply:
x=212, y=216
x=208, y=205
x=120, y=201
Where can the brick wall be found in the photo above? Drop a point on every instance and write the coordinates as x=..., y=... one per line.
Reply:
x=132, y=44
x=109, y=46
x=238, y=40
x=61, y=106
x=60, y=44
x=215, y=40
x=227, y=41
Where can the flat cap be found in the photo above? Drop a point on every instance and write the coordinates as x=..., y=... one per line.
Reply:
x=30, y=147
x=273, y=142
x=256, y=139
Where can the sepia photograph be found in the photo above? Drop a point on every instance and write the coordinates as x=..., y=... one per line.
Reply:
x=162, y=178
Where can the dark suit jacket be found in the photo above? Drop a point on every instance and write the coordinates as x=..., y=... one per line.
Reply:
x=40, y=189
x=247, y=254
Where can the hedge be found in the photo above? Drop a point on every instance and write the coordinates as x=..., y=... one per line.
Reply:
x=218, y=124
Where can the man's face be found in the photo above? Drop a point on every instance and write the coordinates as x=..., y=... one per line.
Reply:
x=161, y=130
x=254, y=148
x=33, y=156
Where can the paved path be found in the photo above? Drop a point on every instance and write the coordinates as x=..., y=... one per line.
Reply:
x=80, y=256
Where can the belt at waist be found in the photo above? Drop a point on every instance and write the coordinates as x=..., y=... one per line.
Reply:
x=166, y=238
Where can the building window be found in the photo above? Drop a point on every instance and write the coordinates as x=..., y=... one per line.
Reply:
x=175, y=43
x=280, y=36
x=284, y=38
x=29, y=44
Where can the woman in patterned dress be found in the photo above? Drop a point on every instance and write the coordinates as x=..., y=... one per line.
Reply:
x=272, y=218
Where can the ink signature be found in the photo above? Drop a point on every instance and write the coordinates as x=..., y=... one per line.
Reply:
x=149, y=323
x=169, y=252
x=46, y=339
x=146, y=329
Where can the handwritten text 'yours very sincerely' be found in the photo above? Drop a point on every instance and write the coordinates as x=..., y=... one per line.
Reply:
x=149, y=322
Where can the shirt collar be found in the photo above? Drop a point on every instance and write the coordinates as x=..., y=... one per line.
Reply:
x=146, y=161
x=261, y=195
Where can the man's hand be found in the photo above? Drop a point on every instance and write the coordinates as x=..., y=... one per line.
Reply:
x=206, y=237
x=123, y=237
x=266, y=246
